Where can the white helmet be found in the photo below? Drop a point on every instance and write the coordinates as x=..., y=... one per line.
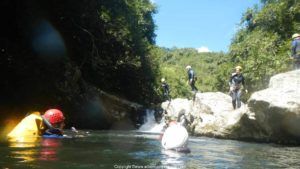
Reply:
x=295, y=35
x=163, y=80
x=188, y=67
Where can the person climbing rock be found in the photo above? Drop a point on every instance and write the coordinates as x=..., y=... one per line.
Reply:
x=166, y=89
x=295, y=50
x=237, y=83
x=191, y=78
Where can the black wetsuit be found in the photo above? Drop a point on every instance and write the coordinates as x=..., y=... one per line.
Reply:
x=296, y=52
x=236, y=80
x=192, y=79
x=166, y=90
x=53, y=131
x=50, y=130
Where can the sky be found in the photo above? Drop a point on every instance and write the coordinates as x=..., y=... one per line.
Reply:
x=207, y=25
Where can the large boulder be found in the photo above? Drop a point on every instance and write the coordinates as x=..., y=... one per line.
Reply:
x=277, y=108
x=210, y=114
x=272, y=115
x=216, y=113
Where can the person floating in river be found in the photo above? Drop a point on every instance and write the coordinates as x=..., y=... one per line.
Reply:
x=166, y=89
x=50, y=124
x=295, y=50
x=191, y=78
x=237, y=83
x=54, y=122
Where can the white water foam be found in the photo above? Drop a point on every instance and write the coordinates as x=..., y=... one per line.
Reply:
x=150, y=124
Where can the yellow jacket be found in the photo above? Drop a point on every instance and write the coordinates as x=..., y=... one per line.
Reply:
x=30, y=127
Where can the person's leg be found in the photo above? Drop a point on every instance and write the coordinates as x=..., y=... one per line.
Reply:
x=234, y=95
x=194, y=88
x=238, y=98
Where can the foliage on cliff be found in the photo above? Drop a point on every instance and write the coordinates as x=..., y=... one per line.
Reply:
x=60, y=53
x=261, y=46
x=172, y=63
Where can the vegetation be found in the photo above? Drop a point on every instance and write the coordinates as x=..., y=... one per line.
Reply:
x=61, y=53
x=110, y=46
x=172, y=64
x=261, y=46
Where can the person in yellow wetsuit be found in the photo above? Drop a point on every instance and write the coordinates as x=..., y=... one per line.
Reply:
x=35, y=125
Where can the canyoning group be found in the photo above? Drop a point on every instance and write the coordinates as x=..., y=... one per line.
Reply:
x=236, y=87
x=174, y=134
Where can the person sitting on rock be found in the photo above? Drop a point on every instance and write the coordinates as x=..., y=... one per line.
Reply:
x=236, y=82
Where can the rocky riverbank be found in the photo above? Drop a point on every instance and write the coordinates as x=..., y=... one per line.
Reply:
x=270, y=115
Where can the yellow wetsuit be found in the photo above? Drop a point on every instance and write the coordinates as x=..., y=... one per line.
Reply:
x=29, y=129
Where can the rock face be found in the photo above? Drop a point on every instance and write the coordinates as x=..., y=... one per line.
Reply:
x=277, y=108
x=272, y=115
x=211, y=114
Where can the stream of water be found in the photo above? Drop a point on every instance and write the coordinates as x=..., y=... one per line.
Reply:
x=142, y=149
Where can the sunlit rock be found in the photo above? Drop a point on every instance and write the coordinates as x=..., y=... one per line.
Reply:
x=272, y=115
x=277, y=109
x=210, y=114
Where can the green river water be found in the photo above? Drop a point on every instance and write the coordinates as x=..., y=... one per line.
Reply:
x=132, y=149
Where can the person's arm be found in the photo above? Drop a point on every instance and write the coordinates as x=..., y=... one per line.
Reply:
x=230, y=79
x=191, y=76
x=52, y=131
x=243, y=83
x=230, y=82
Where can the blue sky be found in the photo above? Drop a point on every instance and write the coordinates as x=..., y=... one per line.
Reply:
x=198, y=23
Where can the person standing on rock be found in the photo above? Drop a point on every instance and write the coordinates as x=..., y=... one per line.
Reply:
x=236, y=83
x=296, y=50
x=191, y=78
x=166, y=89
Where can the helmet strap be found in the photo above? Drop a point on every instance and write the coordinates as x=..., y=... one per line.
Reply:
x=47, y=123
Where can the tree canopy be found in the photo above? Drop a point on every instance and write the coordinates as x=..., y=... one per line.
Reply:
x=261, y=46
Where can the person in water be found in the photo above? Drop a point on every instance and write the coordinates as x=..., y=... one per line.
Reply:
x=51, y=123
x=295, y=50
x=237, y=83
x=166, y=89
x=53, y=120
x=191, y=78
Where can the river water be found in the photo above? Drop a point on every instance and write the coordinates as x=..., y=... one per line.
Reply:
x=133, y=149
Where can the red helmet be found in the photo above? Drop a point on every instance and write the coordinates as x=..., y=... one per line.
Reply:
x=54, y=116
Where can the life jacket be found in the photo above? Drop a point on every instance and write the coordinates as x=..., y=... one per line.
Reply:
x=31, y=126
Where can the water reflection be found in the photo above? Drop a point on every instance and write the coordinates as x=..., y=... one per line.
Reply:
x=172, y=159
x=49, y=149
x=34, y=149
x=25, y=155
x=22, y=142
